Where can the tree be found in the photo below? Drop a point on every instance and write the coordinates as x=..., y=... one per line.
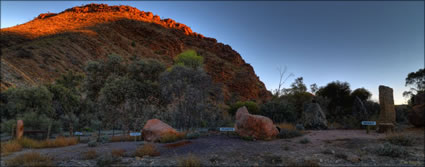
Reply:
x=416, y=81
x=314, y=88
x=189, y=58
x=339, y=97
x=281, y=80
x=361, y=93
x=250, y=105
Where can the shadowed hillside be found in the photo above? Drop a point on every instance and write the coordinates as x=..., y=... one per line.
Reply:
x=51, y=44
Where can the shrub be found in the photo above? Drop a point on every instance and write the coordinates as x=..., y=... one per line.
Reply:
x=91, y=154
x=248, y=138
x=279, y=110
x=392, y=151
x=193, y=135
x=59, y=142
x=190, y=161
x=107, y=160
x=250, y=105
x=286, y=134
x=10, y=147
x=305, y=141
x=30, y=159
x=147, y=149
x=189, y=58
x=29, y=143
x=171, y=137
x=286, y=126
x=401, y=140
x=118, y=152
x=92, y=144
x=328, y=151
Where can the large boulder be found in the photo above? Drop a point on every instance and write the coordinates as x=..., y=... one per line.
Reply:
x=255, y=126
x=154, y=129
x=417, y=115
x=313, y=117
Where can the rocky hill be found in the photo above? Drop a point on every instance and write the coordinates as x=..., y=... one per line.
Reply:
x=51, y=44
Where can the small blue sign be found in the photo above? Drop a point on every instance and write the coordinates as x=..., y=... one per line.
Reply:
x=227, y=129
x=78, y=133
x=135, y=134
x=368, y=123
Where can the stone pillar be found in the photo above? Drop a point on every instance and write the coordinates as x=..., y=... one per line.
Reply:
x=19, y=129
x=387, y=115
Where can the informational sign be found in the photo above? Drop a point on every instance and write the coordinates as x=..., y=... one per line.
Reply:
x=135, y=134
x=227, y=129
x=78, y=133
x=368, y=123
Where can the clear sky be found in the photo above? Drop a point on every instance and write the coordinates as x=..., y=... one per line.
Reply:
x=366, y=44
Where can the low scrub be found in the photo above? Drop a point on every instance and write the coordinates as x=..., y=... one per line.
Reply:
x=391, y=150
x=30, y=159
x=171, y=137
x=401, y=140
x=91, y=154
x=50, y=143
x=286, y=126
x=10, y=147
x=147, y=149
x=286, y=134
x=118, y=152
x=107, y=160
x=190, y=161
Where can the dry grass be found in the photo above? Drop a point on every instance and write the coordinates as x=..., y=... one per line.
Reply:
x=190, y=161
x=147, y=149
x=30, y=159
x=286, y=126
x=91, y=154
x=123, y=138
x=118, y=152
x=10, y=147
x=171, y=137
x=30, y=143
x=59, y=142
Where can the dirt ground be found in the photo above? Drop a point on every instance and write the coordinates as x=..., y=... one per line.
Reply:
x=326, y=148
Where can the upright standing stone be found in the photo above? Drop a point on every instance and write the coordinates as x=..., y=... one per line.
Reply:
x=19, y=129
x=387, y=115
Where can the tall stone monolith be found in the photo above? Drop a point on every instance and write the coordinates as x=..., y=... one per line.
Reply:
x=19, y=129
x=386, y=101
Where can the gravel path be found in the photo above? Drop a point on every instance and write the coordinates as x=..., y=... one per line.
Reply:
x=224, y=150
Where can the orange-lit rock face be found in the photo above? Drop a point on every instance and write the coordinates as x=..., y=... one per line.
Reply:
x=256, y=126
x=41, y=50
x=154, y=129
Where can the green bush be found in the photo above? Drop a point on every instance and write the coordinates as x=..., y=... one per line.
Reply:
x=392, y=151
x=189, y=58
x=250, y=105
x=193, y=135
x=286, y=134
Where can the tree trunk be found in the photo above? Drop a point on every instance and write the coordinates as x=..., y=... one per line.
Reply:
x=71, y=129
x=48, y=130
x=12, y=133
x=113, y=130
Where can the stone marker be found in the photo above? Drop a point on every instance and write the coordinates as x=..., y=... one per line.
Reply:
x=387, y=115
x=19, y=129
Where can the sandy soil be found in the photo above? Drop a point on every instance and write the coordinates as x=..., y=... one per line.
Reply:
x=216, y=149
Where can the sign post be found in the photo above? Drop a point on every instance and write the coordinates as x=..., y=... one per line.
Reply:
x=227, y=130
x=368, y=124
x=135, y=134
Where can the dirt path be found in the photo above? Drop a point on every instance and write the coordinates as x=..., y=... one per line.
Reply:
x=223, y=150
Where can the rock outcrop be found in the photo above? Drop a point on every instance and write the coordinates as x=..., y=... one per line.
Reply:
x=41, y=50
x=313, y=117
x=154, y=129
x=417, y=115
x=254, y=126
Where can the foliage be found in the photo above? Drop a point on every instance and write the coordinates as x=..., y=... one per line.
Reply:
x=189, y=58
x=30, y=159
x=118, y=152
x=171, y=137
x=392, y=151
x=192, y=135
x=146, y=149
x=92, y=143
x=416, y=80
x=91, y=154
x=250, y=105
x=362, y=93
x=401, y=113
x=279, y=110
x=340, y=100
x=190, y=161
x=107, y=160
x=401, y=140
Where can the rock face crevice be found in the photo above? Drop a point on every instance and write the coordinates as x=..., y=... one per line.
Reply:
x=52, y=44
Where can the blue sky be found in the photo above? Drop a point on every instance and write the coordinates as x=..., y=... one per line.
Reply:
x=366, y=44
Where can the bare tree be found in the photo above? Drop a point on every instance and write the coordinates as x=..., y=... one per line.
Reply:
x=282, y=73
